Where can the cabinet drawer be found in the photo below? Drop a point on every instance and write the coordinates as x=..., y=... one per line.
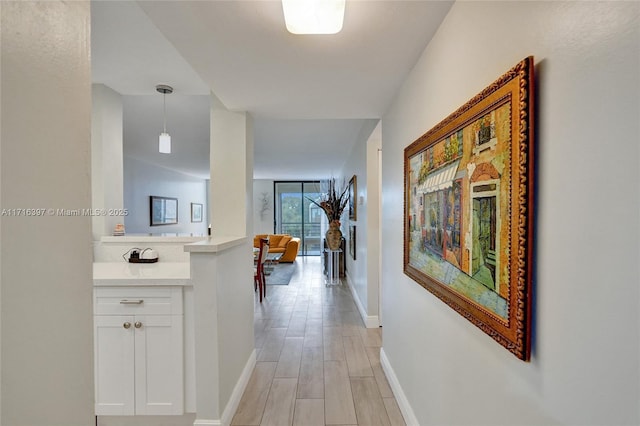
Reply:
x=137, y=300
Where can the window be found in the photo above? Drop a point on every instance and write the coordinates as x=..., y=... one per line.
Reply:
x=297, y=216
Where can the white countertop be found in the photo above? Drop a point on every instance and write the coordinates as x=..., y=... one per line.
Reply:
x=215, y=244
x=124, y=273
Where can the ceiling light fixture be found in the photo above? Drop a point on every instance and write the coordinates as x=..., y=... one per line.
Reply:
x=164, y=142
x=313, y=16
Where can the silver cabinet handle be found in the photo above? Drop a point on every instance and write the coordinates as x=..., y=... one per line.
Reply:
x=126, y=325
x=137, y=324
x=131, y=302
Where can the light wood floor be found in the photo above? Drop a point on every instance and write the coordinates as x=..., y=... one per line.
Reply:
x=316, y=362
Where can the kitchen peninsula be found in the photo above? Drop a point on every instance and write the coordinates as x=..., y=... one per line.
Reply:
x=175, y=336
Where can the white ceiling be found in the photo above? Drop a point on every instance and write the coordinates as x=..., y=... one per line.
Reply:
x=187, y=123
x=312, y=97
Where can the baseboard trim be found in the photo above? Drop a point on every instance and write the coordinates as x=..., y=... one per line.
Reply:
x=401, y=398
x=238, y=390
x=370, y=321
x=202, y=422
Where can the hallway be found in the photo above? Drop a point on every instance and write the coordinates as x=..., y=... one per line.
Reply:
x=316, y=362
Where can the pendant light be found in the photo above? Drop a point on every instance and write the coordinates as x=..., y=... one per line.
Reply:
x=164, y=142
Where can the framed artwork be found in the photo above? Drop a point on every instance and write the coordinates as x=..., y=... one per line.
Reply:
x=196, y=212
x=468, y=222
x=353, y=203
x=352, y=241
x=164, y=210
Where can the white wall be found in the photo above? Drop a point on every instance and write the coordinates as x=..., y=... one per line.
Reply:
x=143, y=179
x=356, y=164
x=362, y=273
x=106, y=158
x=248, y=175
x=370, y=244
x=584, y=367
x=47, y=337
x=224, y=340
x=1, y=225
x=1, y=204
x=263, y=224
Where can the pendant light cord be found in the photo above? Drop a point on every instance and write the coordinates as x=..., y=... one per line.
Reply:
x=164, y=112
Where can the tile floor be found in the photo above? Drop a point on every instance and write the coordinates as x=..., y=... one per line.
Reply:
x=316, y=362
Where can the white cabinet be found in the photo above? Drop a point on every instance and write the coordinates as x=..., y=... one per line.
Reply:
x=114, y=359
x=138, y=350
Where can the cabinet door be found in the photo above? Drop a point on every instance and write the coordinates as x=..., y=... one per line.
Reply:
x=114, y=364
x=159, y=367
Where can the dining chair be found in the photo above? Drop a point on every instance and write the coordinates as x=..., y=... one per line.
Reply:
x=258, y=269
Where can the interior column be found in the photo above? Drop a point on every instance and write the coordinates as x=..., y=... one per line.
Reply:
x=107, y=186
x=231, y=159
x=221, y=272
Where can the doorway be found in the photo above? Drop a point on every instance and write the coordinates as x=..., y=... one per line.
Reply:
x=484, y=232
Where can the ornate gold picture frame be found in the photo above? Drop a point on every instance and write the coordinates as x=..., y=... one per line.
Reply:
x=468, y=223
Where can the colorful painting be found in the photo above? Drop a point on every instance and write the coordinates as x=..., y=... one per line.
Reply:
x=468, y=186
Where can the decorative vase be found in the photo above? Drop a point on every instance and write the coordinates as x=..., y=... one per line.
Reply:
x=333, y=237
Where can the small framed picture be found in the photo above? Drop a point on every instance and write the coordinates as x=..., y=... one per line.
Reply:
x=352, y=241
x=353, y=203
x=163, y=210
x=196, y=212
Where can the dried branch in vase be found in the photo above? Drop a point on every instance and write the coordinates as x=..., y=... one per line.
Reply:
x=331, y=203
